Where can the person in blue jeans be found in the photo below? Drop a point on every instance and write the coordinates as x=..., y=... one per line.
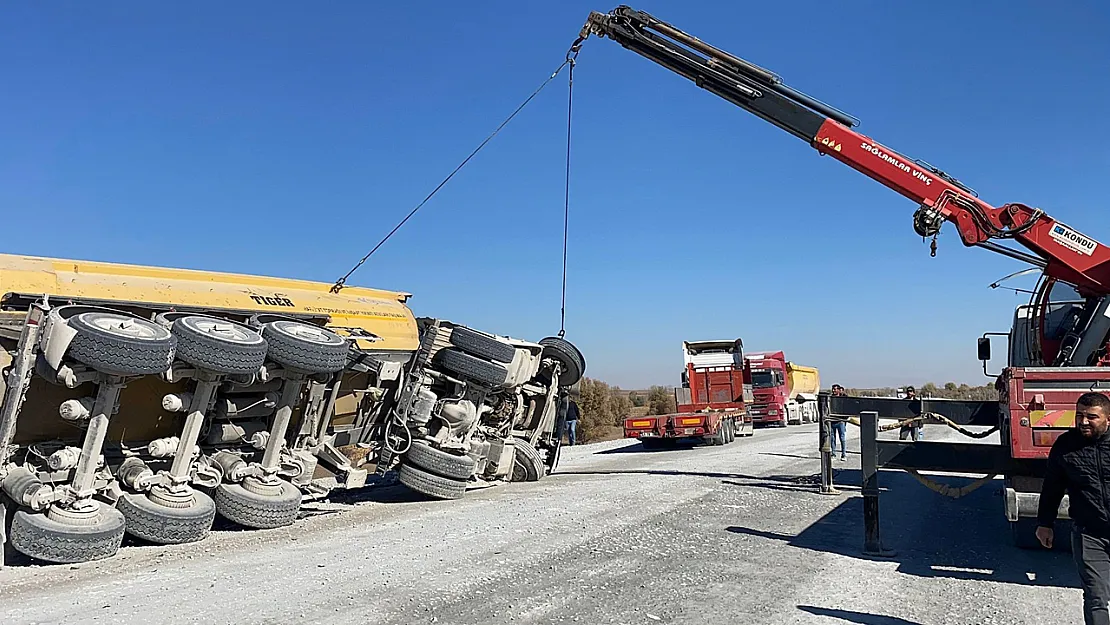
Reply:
x=838, y=428
x=571, y=423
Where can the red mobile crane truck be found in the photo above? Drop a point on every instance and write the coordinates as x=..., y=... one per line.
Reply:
x=712, y=403
x=1058, y=344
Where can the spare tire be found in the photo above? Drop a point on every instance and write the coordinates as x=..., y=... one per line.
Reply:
x=482, y=344
x=472, y=367
x=304, y=347
x=119, y=344
x=219, y=345
x=572, y=360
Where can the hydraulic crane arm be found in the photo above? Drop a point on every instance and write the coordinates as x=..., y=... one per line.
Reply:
x=1061, y=251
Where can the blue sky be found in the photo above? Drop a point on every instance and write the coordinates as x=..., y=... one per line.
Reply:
x=285, y=139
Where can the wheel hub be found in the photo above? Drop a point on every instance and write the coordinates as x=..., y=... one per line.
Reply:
x=171, y=498
x=84, y=512
x=268, y=487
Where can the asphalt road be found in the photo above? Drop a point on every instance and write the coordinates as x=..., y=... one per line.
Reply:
x=708, y=535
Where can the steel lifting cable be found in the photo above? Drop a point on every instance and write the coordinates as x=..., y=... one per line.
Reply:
x=571, y=55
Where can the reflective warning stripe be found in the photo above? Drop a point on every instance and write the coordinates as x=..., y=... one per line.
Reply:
x=1052, y=418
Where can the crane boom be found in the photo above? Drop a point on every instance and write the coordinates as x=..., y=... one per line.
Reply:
x=1064, y=253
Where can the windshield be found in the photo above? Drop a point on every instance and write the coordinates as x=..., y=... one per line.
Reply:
x=763, y=379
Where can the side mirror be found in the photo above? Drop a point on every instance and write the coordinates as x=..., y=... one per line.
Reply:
x=984, y=347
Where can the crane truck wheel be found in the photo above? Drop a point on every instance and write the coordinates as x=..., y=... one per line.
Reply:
x=219, y=345
x=430, y=484
x=257, y=504
x=153, y=521
x=481, y=344
x=119, y=344
x=305, y=348
x=62, y=540
x=439, y=462
x=572, y=360
x=527, y=463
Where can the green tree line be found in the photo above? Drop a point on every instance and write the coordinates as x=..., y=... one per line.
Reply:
x=949, y=390
x=602, y=406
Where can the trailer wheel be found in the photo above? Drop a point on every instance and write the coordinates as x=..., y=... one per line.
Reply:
x=121, y=344
x=239, y=505
x=218, y=345
x=651, y=443
x=439, y=462
x=527, y=463
x=430, y=484
x=163, y=525
x=572, y=360
x=36, y=535
x=473, y=367
x=482, y=344
x=304, y=347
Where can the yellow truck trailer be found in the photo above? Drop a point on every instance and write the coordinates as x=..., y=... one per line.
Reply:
x=147, y=400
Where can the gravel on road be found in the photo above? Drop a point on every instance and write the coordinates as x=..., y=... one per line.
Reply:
x=706, y=535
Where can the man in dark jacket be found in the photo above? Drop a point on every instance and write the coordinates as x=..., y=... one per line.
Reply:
x=1079, y=464
x=571, y=423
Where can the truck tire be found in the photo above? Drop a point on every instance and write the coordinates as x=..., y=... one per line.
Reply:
x=163, y=525
x=36, y=535
x=239, y=505
x=305, y=348
x=730, y=435
x=219, y=345
x=120, y=344
x=651, y=443
x=562, y=350
x=527, y=463
x=430, y=484
x=473, y=368
x=481, y=344
x=439, y=462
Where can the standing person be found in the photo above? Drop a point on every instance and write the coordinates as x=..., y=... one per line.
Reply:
x=571, y=423
x=839, y=428
x=912, y=430
x=1079, y=464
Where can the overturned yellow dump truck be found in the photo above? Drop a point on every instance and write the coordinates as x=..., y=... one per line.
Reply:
x=148, y=400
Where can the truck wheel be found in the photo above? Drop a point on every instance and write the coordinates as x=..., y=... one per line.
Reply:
x=156, y=523
x=439, y=462
x=260, y=511
x=527, y=463
x=120, y=344
x=36, y=535
x=430, y=484
x=651, y=443
x=474, y=368
x=482, y=344
x=218, y=345
x=562, y=350
x=305, y=348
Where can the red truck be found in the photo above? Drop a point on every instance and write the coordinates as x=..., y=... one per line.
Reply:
x=785, y=392
x=712, y=403
x=1059, y=344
